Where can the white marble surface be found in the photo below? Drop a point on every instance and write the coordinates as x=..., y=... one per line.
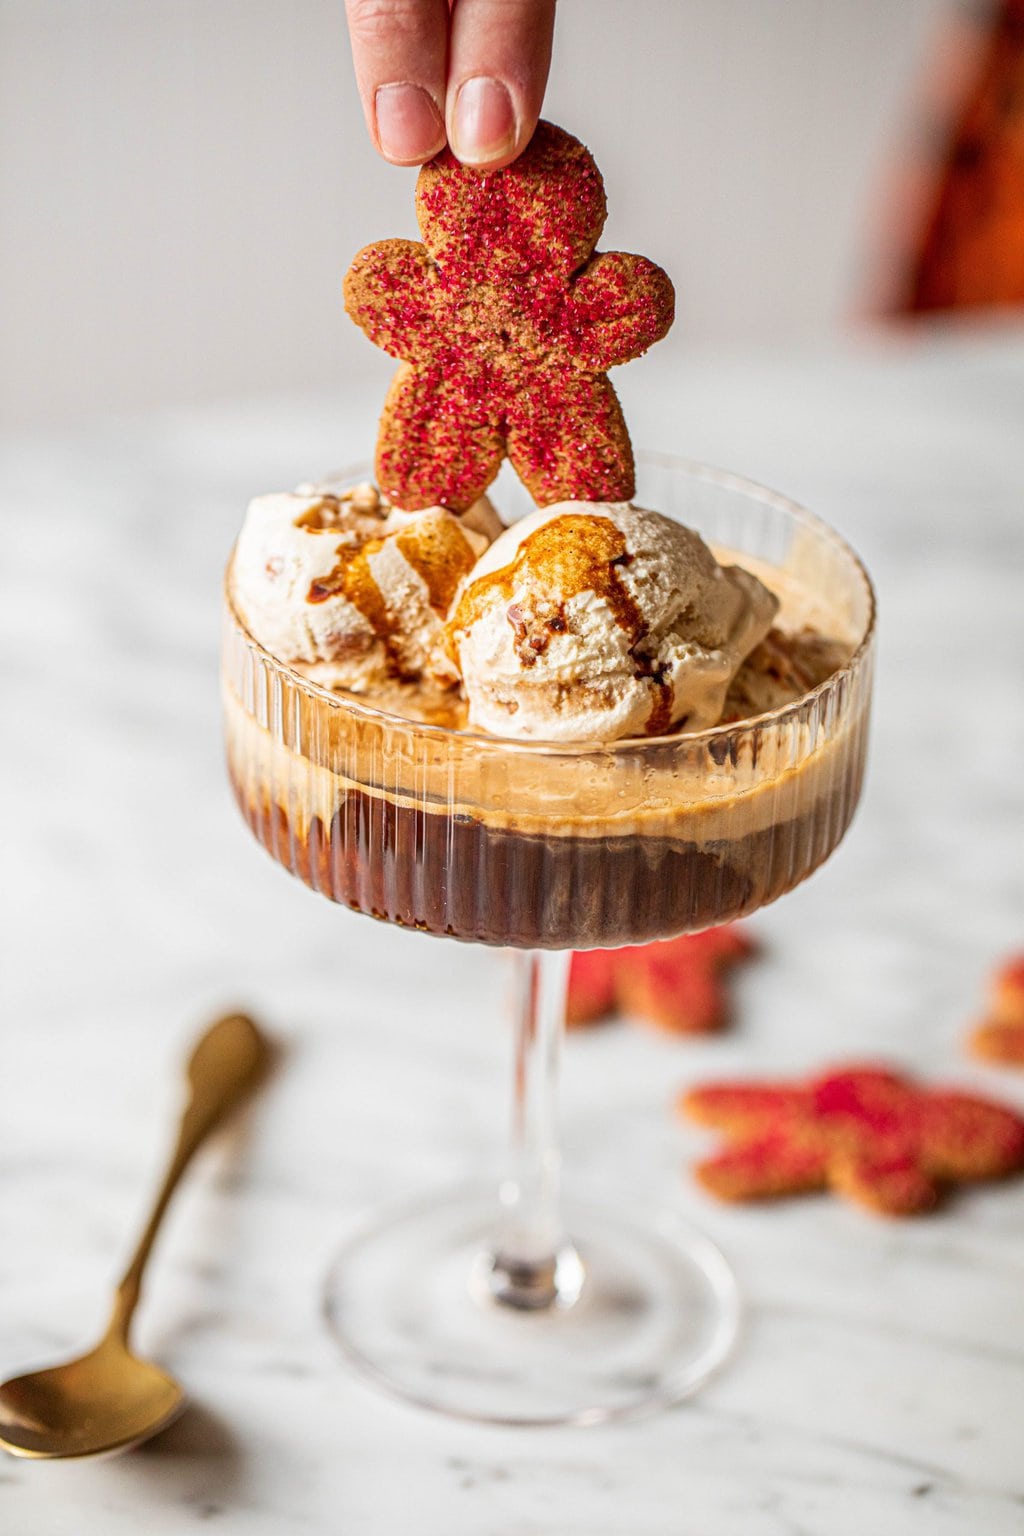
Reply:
x=880, y=1384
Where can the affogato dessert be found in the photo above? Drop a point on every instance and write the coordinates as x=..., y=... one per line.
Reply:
x=578, y=632
x=637, y=711
x=584, y=729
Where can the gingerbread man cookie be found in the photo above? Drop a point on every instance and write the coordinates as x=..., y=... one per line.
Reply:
x=863, y=1131
x=506, y=321
x=678, y=984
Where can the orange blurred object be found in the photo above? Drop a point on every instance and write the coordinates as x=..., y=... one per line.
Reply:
x=1000, y=1036
x=971, y=250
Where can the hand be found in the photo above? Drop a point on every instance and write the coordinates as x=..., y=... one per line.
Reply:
x=470, y=73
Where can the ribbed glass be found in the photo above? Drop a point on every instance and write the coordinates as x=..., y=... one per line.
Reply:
x=537, y=846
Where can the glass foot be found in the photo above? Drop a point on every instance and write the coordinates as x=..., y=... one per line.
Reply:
x=411, y=1302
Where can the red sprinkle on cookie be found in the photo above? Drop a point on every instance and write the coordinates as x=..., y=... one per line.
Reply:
x=679, y=985
x=862, y=1131
x=1000, y=1036
x=506, y=321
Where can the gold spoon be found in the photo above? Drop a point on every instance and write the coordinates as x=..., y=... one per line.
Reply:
x=108, y=1399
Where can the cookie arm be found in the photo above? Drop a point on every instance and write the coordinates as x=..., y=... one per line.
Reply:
x=744, y=1106
x=591, y=994
x=966, y=1138
x=388, y=294
x=618, y=307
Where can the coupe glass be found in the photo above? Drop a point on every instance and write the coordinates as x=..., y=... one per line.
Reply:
x=527, y=1309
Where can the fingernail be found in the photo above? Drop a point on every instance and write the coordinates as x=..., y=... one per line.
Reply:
x=484, y=121
x=409, y=125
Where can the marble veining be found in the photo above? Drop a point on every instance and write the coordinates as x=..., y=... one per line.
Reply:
x=879, y=1385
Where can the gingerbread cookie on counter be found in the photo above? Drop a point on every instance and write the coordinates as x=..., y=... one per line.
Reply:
x=864, y=1131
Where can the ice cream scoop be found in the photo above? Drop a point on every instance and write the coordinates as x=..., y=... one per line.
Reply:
x=592, y=622
x=348, y=590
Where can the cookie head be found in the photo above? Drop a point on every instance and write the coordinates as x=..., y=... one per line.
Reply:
x=542, y=213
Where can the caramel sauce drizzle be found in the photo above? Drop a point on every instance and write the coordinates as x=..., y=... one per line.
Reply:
x=438, y=552
x=351, y=578
x=314, y=516
x=570, y=555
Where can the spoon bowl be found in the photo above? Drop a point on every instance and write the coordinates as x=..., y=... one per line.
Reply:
x=106, y=1400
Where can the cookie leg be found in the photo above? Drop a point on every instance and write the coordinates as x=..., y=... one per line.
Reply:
x=430, y=450
x=567, y=439
x=892, y=1185
x=765, y=1168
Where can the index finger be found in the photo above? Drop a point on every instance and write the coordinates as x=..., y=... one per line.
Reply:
x=500, y=53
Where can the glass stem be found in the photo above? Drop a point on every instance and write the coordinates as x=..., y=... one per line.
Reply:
x=533, y=1264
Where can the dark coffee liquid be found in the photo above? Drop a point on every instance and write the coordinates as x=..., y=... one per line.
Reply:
x=459, y=876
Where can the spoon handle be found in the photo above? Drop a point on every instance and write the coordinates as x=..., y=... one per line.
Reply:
x=226, y=1063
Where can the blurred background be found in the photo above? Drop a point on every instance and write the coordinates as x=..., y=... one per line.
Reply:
x=184, y=181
